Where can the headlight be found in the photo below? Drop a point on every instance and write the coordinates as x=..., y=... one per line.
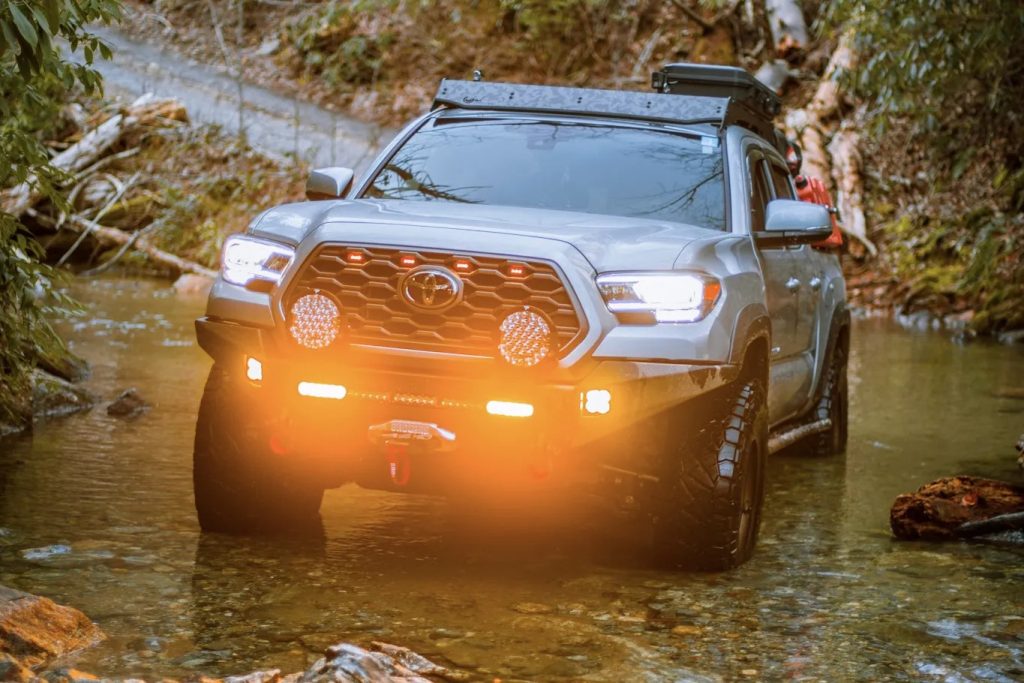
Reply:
x=659, y=297
x=246, y=259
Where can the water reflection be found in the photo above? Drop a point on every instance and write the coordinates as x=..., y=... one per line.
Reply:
x=97, y=513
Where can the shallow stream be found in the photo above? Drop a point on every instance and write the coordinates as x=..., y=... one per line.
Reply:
x=97, y=513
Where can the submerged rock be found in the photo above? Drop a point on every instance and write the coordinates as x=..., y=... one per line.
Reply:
x=56, y=397
x=34, y=630
x=128, y=404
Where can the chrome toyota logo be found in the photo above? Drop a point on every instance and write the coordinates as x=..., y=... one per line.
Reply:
x=431, y=288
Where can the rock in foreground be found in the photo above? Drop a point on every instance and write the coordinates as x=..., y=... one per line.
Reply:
x=34, y=630
x=937, y=510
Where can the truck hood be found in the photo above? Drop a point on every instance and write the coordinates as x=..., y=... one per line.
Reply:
x=608, y=242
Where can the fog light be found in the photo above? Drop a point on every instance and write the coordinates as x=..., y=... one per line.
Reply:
x=525, y=339
x=316, y=321
x=316, y=390
x=597, y=402
x=510, y=408
x=253, y=369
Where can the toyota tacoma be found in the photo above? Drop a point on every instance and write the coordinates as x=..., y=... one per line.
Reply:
x=535, y=289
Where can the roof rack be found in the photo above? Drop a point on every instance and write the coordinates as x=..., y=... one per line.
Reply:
x=579, y=101
x=718, y=95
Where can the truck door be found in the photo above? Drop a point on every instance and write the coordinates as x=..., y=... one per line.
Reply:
x=782, y=308
x=808, y=272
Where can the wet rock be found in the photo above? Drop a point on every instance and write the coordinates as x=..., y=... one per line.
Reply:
x=46, y=552
x=191, y=283
x=65, y=365
x=128, y=404
x=34, y=630
x=68, y=675
x=532, y=608
x=346, y=663
x=12, y=670
x=1012, y=337
x=936, y=510
x=686, y=630
x=56, y=397
x=270, y=676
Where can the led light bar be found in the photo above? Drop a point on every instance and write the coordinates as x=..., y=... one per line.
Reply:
x=510, y=408
x=317, y=390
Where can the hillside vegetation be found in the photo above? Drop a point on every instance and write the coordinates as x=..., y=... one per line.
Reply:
x=933, y=94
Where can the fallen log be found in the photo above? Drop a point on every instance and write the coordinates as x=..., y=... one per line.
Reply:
x=939, y=510
x=141, y=244
x=147, y=110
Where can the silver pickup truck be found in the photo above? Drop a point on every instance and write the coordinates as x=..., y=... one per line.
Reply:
x=533, y=290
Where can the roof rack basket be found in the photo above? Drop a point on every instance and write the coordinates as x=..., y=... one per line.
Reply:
x=752, y=104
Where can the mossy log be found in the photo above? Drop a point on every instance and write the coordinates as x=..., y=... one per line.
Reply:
x=939, y=510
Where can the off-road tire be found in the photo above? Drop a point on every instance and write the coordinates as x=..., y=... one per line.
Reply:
x=711, y=490
x=240, y=485
x=832, y=404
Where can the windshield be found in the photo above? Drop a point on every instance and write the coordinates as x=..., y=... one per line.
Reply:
x=599, y=169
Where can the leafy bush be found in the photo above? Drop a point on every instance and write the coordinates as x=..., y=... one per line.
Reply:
x=339, y=42
x=34, y=78
x=946, y=64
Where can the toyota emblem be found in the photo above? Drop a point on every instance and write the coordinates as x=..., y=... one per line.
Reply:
x=431, y=288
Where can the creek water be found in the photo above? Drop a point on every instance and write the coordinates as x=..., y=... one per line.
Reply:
x=97, y=513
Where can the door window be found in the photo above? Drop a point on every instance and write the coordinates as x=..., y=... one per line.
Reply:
x=759, y=194
x=781, y=182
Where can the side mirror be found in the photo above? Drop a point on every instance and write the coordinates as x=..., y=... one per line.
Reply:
x=333, y=182
x=789, y=221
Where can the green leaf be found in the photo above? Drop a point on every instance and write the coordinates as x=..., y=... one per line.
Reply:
x=24, y=26
x=51, y=8
x=41, y=21
x=9, y=37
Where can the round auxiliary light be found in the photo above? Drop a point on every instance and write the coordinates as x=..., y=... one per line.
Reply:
x=525, y=339
x=316, y=321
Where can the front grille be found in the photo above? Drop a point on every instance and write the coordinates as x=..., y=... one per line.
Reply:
x=377, y=314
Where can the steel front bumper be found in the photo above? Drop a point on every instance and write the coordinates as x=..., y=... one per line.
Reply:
x=431, y=414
